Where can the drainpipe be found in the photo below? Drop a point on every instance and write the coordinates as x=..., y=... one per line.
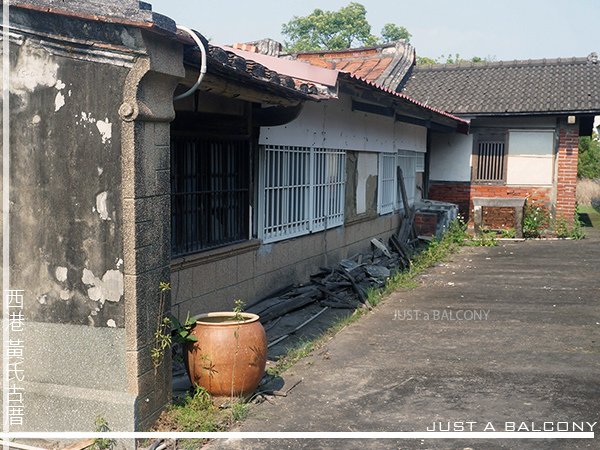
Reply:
x=200, y=45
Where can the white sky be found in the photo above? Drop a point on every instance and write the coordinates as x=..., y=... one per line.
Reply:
x=503, y=29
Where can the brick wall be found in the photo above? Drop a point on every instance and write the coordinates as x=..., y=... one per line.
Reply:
x=498, y=217
x=461, y=193
x=426, y=223
x=452, y=192
x=568, y=149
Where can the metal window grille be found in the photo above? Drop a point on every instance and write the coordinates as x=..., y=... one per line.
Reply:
x=302, y=190
x=410, y=162
x=209, y=193
x=387, y=183
x=420, y=162
x=407, y=161
x=490, y=161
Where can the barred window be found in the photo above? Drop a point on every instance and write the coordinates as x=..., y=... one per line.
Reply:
x=387, y=183
x=407, y=161
x=302, y=190
x=209, y=193
x=489, y=163
x=389, y=198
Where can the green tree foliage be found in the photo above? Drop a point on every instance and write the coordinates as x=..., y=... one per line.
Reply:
x=452, y=59
x=336, y=30
x=392, y=32
x=588, y=165
x=329, y=30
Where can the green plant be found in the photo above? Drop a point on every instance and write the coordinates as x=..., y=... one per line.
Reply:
x=162, y=335
x=195, y=412
x=182, y=332
x=169, y=330
x=561, y=228
x=486, y=238
x=508, y=233
x=576, y=231
x=535, y=220
x=238, y=309
x=101, y=425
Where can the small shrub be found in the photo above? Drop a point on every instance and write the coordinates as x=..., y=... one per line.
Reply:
x=535, y=220
x=577, y=230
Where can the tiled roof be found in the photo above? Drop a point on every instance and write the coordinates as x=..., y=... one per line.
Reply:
x=229, y=65
x=386, y=65
x=462, y=125
x=566, y=85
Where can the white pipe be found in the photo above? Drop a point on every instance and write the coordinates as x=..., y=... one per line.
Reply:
x=200, y=45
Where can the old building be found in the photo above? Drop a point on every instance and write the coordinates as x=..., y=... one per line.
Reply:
x=526, y=118
x=120, y=180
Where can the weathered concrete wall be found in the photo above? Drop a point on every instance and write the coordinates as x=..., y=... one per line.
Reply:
x=75, y=240
x=66, y=182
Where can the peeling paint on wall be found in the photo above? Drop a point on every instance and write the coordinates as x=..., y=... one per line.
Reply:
x=61, y=273
x=59, y=101
x=101, y=207
x=109, y=288
x=105, y=129
x=35, y=68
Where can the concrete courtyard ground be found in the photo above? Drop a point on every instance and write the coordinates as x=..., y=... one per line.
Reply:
x=535, y=359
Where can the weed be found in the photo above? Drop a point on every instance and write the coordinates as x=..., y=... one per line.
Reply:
x=577, y=229
x=162, y=335
x=508, y=233
x=195, y=412
x=293, y=355
x=239, y=410
x=536, y=219
x=561, y=228
x=101, y=425
x=238, y=309
x=486, y=238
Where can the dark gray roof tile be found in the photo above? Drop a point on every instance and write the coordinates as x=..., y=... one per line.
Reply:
x=520, y=87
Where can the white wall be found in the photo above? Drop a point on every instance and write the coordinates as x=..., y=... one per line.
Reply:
x=530, y=157
x=450, y=158
x=410, y=137
x=333, y=124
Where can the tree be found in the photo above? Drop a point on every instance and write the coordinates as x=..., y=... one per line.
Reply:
x=336, y=30
x=329, y=30
x=588, y=165
x=391, y=32
x=452, y=59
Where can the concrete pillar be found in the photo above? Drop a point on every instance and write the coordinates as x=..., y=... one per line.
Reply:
x=146, y=112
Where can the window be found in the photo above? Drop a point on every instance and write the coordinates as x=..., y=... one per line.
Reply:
x=489, y=165
x=407, y=161
x=389, y=198
x=209, y=193
x=388, y=185
x=302, y=190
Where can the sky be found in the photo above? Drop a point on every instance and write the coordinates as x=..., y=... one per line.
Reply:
x=500, y=29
